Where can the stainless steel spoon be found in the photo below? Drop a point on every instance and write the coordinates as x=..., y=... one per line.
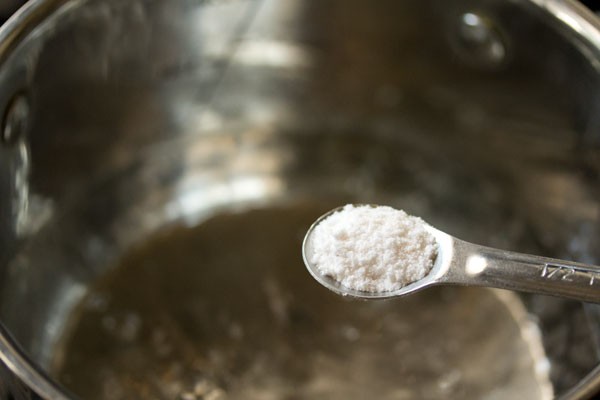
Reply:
x=463, y=263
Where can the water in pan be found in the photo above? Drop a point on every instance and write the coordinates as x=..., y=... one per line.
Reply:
x=227, y=310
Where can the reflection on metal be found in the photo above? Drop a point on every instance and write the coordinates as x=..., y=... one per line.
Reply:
x=16, y=117
x=30, y=211
x=582, y=24
x=480, y=42
x=200, y=200
x=20, y=200
x=476, y=264
x=72, y=293
x=272, y=54
x=532, y=336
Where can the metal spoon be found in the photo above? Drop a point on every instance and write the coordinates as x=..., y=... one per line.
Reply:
x=463, y=263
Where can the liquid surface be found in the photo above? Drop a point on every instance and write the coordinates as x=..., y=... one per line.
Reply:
x=226, y=310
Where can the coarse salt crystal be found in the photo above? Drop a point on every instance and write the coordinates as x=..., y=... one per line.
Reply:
x=372, y=248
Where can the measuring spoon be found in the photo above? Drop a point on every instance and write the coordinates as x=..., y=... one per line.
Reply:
x=462, y=263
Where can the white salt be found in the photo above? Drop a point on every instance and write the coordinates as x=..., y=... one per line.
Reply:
x=372, y=249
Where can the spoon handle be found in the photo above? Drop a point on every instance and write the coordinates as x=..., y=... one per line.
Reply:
x=485, y=266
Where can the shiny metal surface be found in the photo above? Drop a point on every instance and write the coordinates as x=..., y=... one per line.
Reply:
x=467, y=264
x=143, y=116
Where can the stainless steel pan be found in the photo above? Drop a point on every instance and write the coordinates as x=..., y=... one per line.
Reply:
x=232, y=124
